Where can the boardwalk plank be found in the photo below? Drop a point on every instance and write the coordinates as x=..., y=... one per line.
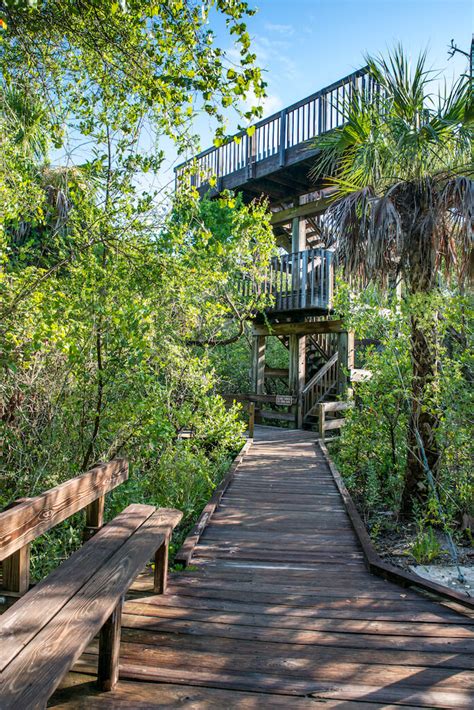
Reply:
x=278, y=602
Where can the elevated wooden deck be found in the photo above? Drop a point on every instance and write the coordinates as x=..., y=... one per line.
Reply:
x=278, y=610
x=276, y=157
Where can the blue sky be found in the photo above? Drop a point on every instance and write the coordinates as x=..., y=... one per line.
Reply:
x=304, y=45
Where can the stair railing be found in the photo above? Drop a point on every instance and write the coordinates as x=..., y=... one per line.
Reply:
x=320, y=385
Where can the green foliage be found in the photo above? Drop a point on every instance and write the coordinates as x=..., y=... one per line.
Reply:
x=372, y=451
x=426, y=547
x=111, y=298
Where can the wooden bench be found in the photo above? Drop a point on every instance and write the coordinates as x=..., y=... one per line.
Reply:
x=47, y=630
x=28, y=518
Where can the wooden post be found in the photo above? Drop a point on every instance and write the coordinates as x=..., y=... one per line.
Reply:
x=161, y=568
x=251, y=419
x=109, y=650
x=94, y=518
x=296, y=375
x=282, y=146
x=16, y=571
x=16, y=567
x=343, y=362
x=321, y=420
x=258, y=364
x=350, y=350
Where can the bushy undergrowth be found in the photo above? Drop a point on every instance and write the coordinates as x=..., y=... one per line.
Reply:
x=372, y=450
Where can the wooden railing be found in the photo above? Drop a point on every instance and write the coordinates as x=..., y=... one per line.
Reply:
x=303, y=279
x=319, y=386
x=28, y=518
x=273, y=136
x=331, y=424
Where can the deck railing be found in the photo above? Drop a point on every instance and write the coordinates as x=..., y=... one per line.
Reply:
x=302, y=279
x=294, y=125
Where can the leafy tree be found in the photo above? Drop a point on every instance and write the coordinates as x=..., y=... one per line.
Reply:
x=402, y=164
x=104, y=289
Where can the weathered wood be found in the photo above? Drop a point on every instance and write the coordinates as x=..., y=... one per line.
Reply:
x=278, y=416
x=300, y=211
x=276, y=371
x=257, y=398
x=21, y=622
x=94, y=517
x=278, y=599
x=16, y=571
x=186, y=550
x=303, y=328
x=161, y=568
x=251, y=419
x=333, y=424
x=23, y=523
x=109, y=650
x=33, y=674
x=258, y=364
x=78, y=691
x=337, y=406
x=343, y=363
x=373, y=561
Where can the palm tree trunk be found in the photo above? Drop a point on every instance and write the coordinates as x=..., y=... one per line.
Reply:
x=423, y=451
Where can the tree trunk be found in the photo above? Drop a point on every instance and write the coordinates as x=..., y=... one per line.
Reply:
x=423, y=449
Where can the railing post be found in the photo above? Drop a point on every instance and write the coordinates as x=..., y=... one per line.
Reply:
x=304, y=275
x=251, y=419
x=16, y=568
x=343, y=362
x=330, y=278
x=321, y=421
x=16, y=571
x=94, y=518
x=282, y=146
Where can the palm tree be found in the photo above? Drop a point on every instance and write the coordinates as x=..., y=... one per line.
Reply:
x=402, y=165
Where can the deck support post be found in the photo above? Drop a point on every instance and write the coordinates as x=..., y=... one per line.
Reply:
x=16, y=571
x=297, y=372
x=297, y=343
x=258, y=368
x=109, y=650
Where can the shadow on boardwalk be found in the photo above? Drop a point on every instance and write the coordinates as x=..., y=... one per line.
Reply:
x=277, y=610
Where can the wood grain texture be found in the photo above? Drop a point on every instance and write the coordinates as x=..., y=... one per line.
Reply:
x=186, y=550
x=33, y=674
x=25, y=522
x=109, y=650
x=277, y=607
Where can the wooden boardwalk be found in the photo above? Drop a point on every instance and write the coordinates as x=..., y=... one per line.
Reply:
x=277, y=610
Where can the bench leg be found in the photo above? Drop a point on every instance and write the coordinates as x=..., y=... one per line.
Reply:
x=161, y=568
x=109, y=650
x=16, y=571
x=94, y=518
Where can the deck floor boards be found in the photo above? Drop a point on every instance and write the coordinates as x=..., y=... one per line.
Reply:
x=277, y=610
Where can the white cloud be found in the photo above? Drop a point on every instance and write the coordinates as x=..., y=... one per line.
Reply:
x=270, y=104
x=280, y=29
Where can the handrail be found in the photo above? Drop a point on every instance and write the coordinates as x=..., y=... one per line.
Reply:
x=320, y=373
x=28, y=518
x=263, y=121
x=298, y=280
x=298, y=123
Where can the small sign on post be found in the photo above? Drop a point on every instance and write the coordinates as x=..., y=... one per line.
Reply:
x=285, y=400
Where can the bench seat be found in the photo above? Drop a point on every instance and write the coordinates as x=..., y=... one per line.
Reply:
x=47, y=630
